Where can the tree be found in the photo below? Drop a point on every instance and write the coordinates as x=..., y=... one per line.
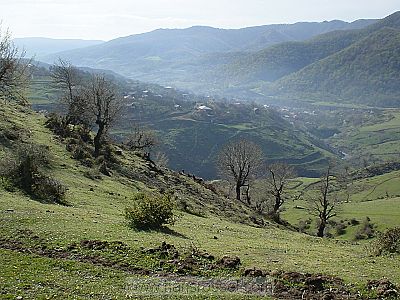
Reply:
x=276, y=183
x=239, y=161
x=142, y=138
x=104, y=105
x=14, y=69
x=326, y=204
x=69, y=79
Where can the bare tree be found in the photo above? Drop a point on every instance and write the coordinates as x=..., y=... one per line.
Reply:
x=239, y=161
x=105, y=105
x=70, y=80
x=326, y=204
x=142, y=139
x=14, y=69
x=276, y=183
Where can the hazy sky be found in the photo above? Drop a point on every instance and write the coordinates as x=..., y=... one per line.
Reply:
x=107, y=19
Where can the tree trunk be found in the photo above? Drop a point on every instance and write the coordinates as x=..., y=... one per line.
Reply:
x=97, y=140
x=238, y=191
x=277, y=203
x=248, y=194
x=321, y=229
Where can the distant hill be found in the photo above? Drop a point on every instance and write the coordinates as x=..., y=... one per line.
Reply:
x=336, y=61
x=368, y=72
x=154, y=54
x=283, y=59
x=38, y=46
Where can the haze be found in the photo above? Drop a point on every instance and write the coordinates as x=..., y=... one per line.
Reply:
x=101, y=19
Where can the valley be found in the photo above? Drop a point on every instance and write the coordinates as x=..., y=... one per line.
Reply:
x=202, y=163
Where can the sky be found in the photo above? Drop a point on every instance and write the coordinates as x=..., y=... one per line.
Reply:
x=108, y=19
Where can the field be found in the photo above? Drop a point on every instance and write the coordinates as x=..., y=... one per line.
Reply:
x=375, y=142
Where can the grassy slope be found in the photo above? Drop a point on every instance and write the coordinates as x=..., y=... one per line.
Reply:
x=378, y=141
x=99, y=215
x=375, y=197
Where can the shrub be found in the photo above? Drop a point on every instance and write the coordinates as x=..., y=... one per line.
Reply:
x=340, y=228
x=151, y=211
x=22, y=167
x=64, y=127
x=304, y=225
x=49, y=189
x=354, y=222
x=387, y=242
x=24, y=170
x=366, y=231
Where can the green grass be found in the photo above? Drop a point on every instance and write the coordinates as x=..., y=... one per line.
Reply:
x=377, y=187
x=377, y=139
x=98, y=214
x=393, y=123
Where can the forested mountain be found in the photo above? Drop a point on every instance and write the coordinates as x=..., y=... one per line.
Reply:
x=367, y=72
x=283, y=59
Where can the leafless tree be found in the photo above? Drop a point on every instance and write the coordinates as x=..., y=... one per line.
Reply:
x=326, y=204
x=14, y=69
x=239, y=162
x=142, y=138
x=278, y=176
x=105, y=105
x=70, y=80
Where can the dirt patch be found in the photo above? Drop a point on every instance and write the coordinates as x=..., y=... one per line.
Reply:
x=191, y=267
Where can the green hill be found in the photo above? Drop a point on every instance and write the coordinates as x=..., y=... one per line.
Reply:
x=367, y=72
x=85, y=249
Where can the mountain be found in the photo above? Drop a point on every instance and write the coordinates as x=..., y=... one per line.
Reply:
x=38, y=46
x=368, y=72
x=160, y=50
x=283, y=59
x=290, y=65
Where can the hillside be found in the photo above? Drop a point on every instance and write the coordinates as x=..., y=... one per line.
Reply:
x=283, y=59
x=367, y=72
x=89, y=246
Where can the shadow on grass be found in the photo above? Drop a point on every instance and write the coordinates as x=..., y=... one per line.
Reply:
x=162, y=229
x=172, y=232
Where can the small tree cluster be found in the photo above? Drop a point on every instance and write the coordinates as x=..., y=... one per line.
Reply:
x=150, y=211
x=92, y=100
x=25, y=170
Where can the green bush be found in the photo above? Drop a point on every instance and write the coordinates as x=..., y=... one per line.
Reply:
x=366, y=230
x=151, y=211
x=387, y=242
x=24, y=170
x=49, y=189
